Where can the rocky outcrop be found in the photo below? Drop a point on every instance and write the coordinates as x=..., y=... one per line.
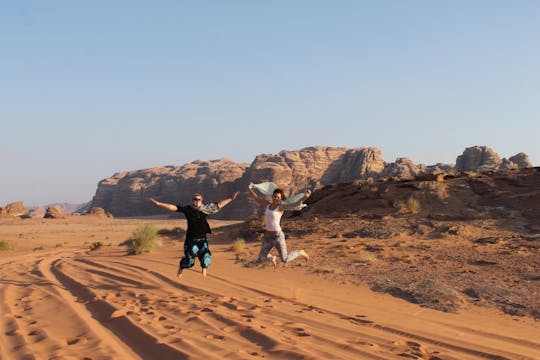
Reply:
x=482, y=158
x=14, y=209
x=403, y=168
x=37, y=212
x=126, y=193
x=521, y=160
x=98, y=212
x=311, y=167
x=314, y=166
x=54, y=212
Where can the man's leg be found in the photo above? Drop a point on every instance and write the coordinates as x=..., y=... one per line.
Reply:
x=187, y=261
x=204, y=255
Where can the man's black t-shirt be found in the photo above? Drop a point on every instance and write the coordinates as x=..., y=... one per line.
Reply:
x=197, y=226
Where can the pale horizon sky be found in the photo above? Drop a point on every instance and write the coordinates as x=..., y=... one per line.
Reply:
x=88, y=89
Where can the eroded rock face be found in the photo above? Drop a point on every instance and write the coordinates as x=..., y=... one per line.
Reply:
x=54, y=212
x=403, y=168
x=482, y=158
x=521, y=160
x=98, y=212
x=14, y=209
x=313, y=166
x=126, y=194
x=478, y=158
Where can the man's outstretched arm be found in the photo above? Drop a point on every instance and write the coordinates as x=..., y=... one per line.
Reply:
x=163, y=205
x=224, y=202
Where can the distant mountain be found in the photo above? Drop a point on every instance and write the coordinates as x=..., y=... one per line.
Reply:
x=126, y=193
x=66, y=209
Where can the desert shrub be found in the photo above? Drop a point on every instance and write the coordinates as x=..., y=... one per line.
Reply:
x=238, y=245
x=144, y=239
x=171, y=232
x=6, y=245
x=96, y=245
x=413, y=205
x=256, y=223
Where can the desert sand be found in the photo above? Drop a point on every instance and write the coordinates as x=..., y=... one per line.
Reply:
x=60, y=300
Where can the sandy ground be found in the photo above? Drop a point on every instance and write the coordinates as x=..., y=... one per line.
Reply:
x=59, y=300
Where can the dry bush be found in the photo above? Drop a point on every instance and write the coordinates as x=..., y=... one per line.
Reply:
x=238, y=246
x=96, y=245
x=413, y=205
x=6, y=245
x=145, y=239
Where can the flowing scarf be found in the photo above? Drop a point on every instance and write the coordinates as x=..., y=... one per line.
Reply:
x=293, y=202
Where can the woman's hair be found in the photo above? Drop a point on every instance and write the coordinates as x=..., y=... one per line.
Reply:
x=279, y=191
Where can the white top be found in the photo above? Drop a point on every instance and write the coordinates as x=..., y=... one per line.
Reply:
x=272, y=219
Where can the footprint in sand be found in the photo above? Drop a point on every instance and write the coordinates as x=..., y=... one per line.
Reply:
x=73, y=341
x=298, y=329
x=234, y=328
x=215, y=337
x=11, y=333
x=38, y=335
x=289, y=340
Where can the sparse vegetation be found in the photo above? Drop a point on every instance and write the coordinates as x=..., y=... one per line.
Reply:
x=175, y=232
x=96, y=245
x=144, y=239
x=6, y=245
x=256, y=223
x=238, y=246
x=413, y=205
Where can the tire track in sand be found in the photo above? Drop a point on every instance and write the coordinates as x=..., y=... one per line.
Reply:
x=26, y=305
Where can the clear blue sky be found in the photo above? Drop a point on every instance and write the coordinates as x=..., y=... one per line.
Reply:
x=91, y=88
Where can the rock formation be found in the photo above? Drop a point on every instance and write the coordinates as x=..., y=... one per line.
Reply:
x=482, y=158
x=14, y=209
x=98, y=212
x=54, y=212
x=126, y=193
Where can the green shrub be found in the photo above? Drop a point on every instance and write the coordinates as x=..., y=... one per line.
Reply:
x=6, y=245
x=238, y=245
x=144, y=239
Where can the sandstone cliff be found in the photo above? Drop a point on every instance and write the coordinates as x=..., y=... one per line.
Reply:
x=126, y=193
